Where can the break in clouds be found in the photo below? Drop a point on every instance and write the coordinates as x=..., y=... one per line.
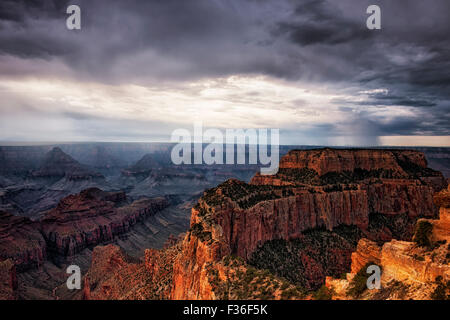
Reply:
x=139, y=69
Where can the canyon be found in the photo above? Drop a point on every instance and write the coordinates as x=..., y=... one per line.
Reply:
x=142, y=228
x=317, y=208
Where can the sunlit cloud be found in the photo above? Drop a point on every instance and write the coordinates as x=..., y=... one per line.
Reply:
x=236, y=101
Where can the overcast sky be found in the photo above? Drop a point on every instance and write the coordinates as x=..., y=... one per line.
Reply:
x=139, y=69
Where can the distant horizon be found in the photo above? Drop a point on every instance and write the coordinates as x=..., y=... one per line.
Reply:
x=53, y=143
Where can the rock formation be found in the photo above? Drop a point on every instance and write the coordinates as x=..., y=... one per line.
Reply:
x=93, y=217
x=148, y=163
x=58, y=164
x=115, y=275
x=366, y=251
x=79, y=221
x=328, y=160
x=236, y=218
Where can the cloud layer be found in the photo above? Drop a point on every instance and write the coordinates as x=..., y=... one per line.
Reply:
x=138, y=69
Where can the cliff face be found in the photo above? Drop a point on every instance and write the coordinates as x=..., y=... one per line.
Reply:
x=287, y=217
x=205, y=244
x=93, y=217
x=21, y=241
x=441, y=227
x=341, y=160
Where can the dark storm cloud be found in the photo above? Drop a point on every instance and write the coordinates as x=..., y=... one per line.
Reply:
x=410, y=56
x=142, y=40
x=318, y=23
x=316, y=41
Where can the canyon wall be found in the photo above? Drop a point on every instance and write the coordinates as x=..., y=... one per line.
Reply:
x=340, y=160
